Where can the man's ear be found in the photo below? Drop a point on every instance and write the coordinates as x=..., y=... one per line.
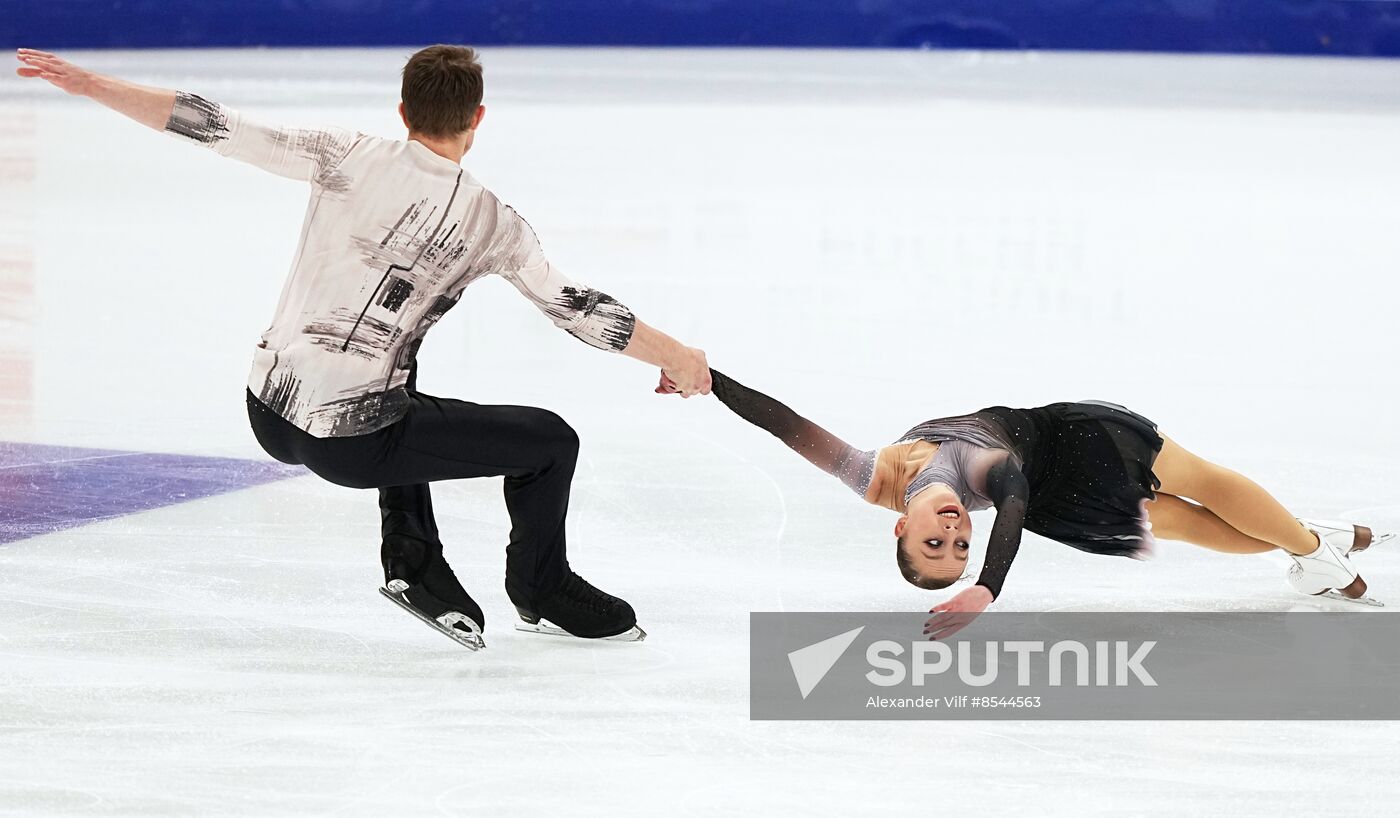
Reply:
x=477, y=117
x=404, y=117
x=899, y=525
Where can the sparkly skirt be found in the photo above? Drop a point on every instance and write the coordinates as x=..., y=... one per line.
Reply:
x=1093, y=478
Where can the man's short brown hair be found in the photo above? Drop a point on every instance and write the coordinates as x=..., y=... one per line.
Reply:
x=441, y=90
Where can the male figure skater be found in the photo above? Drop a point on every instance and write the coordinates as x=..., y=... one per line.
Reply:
x=394, y=233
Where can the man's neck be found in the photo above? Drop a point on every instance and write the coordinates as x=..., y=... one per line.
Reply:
x=451, y=149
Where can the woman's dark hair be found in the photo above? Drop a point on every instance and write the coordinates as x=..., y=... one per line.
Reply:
x=906, y=567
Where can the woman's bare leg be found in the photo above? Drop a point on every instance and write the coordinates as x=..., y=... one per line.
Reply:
x=1176, y=519
x=1232, y=497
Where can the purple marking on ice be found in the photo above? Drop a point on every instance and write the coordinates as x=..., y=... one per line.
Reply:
x=50, y=488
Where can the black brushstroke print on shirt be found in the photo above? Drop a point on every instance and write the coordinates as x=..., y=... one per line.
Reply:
x=195, y=117
x=408, y=350
x=618, y=321
x=360, y=413
x=371, y=336
x=326, y=148
x=280, y=395
x=396, y=292
x=402, y=244
x=456, y=186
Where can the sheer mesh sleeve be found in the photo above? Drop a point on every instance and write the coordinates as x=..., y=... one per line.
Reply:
x=1008, y=490
x=821, y=448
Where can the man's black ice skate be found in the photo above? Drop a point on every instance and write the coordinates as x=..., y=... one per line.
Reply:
x=419, y=580
x=576, y=608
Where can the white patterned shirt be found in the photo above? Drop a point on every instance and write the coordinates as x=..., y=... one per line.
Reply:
x=393, y=235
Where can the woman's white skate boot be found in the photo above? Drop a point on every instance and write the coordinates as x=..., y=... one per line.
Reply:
x=1326, y=572
x=1347, y=538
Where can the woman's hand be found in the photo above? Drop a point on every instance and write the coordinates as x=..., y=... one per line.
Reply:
x=61, y=73
x=957, y=613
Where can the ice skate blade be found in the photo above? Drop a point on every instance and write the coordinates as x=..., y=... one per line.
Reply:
x=1364, y=537
x=544, y=626
x=1368, y=601
x=470, y=639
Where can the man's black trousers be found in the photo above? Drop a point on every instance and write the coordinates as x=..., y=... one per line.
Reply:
x=445, y=439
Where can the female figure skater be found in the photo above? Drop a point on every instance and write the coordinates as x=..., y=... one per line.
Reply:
x=1094, y=476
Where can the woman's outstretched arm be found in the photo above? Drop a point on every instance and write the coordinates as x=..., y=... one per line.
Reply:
x=821, y=448
x=1008, y=489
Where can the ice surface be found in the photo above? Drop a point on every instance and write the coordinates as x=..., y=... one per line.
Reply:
x=875, y=238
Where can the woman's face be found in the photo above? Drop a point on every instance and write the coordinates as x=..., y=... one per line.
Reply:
x=937, y=533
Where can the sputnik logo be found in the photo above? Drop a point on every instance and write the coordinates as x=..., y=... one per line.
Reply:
x=811, y=664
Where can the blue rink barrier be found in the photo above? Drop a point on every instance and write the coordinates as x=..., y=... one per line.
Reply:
x=1334, y=27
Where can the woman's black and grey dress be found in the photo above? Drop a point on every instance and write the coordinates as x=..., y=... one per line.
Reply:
x=1077, y=473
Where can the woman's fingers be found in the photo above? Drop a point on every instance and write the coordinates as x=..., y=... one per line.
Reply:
x=942, y=632
x=936, y=622
x=669, y=387
x=950, y=630
x=945, y=623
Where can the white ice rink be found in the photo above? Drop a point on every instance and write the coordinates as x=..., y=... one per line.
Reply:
x=876, y=238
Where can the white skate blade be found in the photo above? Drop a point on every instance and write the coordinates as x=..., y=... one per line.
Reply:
x=544, y=626
x=470, y=638
x=1368, y=601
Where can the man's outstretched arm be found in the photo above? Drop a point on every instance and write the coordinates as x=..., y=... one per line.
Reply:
x=590, y=315
x=679, y=364
x=311, y=155
x=149, y=106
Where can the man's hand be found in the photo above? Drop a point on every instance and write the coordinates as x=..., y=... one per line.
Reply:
x=149, y=106
x=957, y=613
x=61, y=73
x=684, y=370
x=689, y=376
